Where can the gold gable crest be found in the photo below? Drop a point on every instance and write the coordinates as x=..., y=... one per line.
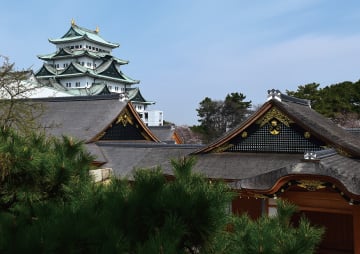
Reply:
x=274, y=113
x=125, y=118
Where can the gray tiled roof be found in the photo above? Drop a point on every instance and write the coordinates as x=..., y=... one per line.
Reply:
x=164, y=133
x=262, y=170
x=233, y=165
x=341, y=168
x=124, y=158
x=323, y=127
x=85, y=117
x=81, y=117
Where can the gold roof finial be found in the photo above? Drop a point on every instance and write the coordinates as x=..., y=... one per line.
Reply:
x=72, y=22
x=97, y=30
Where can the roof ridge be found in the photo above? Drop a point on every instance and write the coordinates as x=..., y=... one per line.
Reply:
x=85, y=29
x=278, y=95
x=78, y=98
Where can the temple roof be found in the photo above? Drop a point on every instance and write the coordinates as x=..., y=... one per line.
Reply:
x=299, y=112
x=125, y=158
x=164, y=133
x=251, y=156
x=77, y=33
x=88, y=118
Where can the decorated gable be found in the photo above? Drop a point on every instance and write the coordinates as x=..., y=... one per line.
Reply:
x=71, y=70
x=44, y=72
x=71, y=33
x=112, y=71
x=127, y=126
x=274, y=132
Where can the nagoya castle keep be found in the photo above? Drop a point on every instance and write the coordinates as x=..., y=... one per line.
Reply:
x=83, y=64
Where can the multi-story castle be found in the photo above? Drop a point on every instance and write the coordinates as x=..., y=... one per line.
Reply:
x=83, y=65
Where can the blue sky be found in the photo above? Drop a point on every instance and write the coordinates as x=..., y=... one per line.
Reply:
x=183, y=51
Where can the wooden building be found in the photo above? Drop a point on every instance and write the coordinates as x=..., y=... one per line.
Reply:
x=284, y=150
x=287, y=150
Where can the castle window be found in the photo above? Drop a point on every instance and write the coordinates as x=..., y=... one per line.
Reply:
x=68, y=84
x=116, y=88
x=82, y=63
x=77, y=84
x=72, y=47
x=77, y=46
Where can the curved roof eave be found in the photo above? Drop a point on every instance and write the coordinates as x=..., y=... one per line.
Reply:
x=83, y=37
x=144, y=102
x=325, y=169
x=91, y=75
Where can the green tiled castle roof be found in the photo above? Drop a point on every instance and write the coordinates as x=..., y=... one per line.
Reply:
x=76, y=33
x=105, y=71
x=68, y=53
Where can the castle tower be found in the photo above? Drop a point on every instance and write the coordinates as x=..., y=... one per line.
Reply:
x=83, y=64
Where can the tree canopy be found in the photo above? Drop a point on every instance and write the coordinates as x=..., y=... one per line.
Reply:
x=15, y=110
x=340, y=102
x=218, y=116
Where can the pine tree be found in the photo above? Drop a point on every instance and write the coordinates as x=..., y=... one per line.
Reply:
x=36, y=169
x=270, y=235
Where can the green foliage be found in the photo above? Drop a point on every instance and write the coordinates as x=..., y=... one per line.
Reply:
x=150, y=215
x=48, y=204
x=216, y=117
x=271, y=235
x=36, y=169
x=15, y=110
x=340, y=102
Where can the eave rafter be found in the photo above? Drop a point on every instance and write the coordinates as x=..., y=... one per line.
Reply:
x=309, y=183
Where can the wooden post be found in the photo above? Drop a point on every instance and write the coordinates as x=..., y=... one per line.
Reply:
x=356, y=225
